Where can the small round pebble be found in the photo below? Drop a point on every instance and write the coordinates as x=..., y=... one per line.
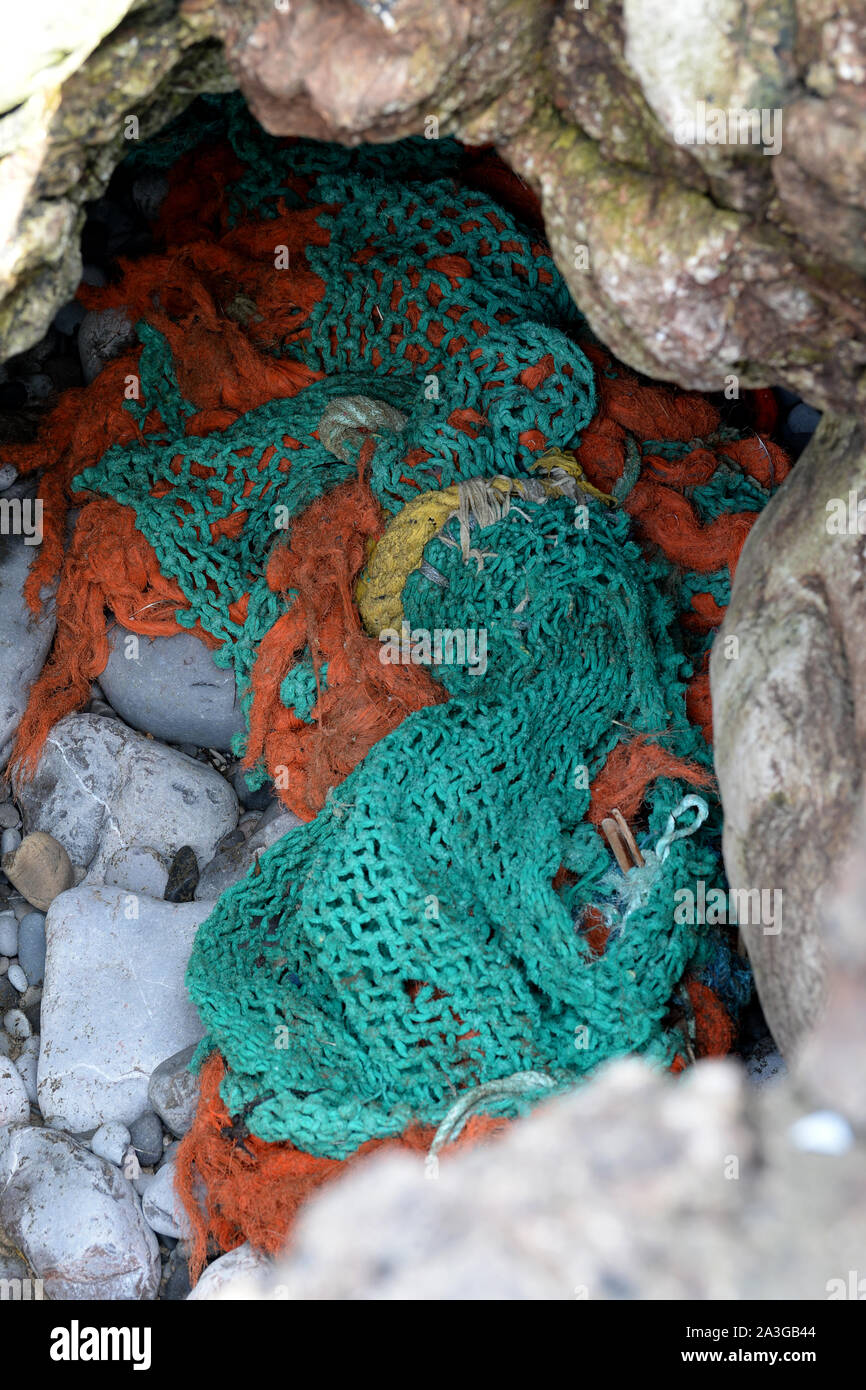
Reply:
x=111, y=1141
x=9, y=817
x=16, y=1024
x=146, y=1136
x=9, y=841
x=31, y=946
x=17, y=978
x=822, y=1132
x=8, y=475
x=8, y=934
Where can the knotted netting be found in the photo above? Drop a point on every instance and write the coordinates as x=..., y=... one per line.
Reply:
x=466, y=570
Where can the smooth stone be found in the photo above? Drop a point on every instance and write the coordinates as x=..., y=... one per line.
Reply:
x=146, y=1135
x=4, y=964
x=173, y=1091
x=39, y=868
x=114, y=1002
x=231, y=863
x=26, y=1064
x=138, y=869
x=8, y=996
x=103, y=335
x=14, y=1104
x=75, y=1219
x=17, y=978
x=9, y=816
x=111, y=1142
x=31, y=947
x=803, y=419
x=822, y=1132
x=24, y=638
x=176, y=1285
x=5, y=1044
x=232, y=1276
x=100, y=787
x=258, y=800
x=173, y=690
x=9, y=841
x=17, y=1024
x=182, y=877
x=162, y=1208
x=8, y=475
x=8, y=934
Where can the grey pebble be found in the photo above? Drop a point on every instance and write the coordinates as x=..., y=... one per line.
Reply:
x=8, y=996
x=146, y=1138
x=9, y=816
x=173, y=1091
x=8, y=934
x=9, y=841
x=8, y=475
x=67, y=319
x=31, y=946
x=17, y=978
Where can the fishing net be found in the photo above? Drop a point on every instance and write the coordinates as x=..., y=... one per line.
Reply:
x=466, y=569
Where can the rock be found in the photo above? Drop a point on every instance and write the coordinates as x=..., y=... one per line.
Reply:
x=172, y=689
x=231, y=863
x=765, y=1063
x=9, y=841
x=139, y=869
x=788, y=701
x=9, y=817
x=258, y=800
x=27, y=1064
x=39, y=868
x=17, y=978
x=233, y=1276
x=162, y=1208
x=16, y=1023
x=100, y=788
x=176, y=1283
x=149, y=193
x=31, y=947
x=182, y=877
x=24, y=639
x=146, y=1137
x=8, y=996
x=14, y=1105
x=111, y=1142
x=75, y=1219
x=104, y=334
x=8, y=934
x=8, y=475
x=100, y=1045
x=69, y=316
x=174, y=1091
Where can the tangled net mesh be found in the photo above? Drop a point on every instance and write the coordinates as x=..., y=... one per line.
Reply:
x=362, y=410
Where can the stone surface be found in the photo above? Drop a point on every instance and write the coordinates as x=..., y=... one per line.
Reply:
x=146, y=1136
x=172, y=689
x=74, y=1218
x=162, y=1208
x=233, y=1276
x=103, y=335
x=40, y=868
x=173, y=1091
x=789, y=715
x=14, y=1105
x=114, y=1003
x=31, y=947
x=24, y=638
x=232, y=862
x=111, y=1142
x=100, y=788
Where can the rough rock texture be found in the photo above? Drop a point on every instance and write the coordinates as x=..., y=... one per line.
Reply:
x=102, y=789
x=74, y=1218
x=114, y=1003
x=790, y=707
x=173, y=1090
x=172, y=689
x=703, y=260
x=230, y=864
x=64, y=132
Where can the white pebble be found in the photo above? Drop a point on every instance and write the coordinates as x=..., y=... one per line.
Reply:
x=27, y=1064
x=111, y=1142
x=17, y=1024
x=130, y=1167
x=822, y=1132
x=14, y=1105
x=17, y=978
